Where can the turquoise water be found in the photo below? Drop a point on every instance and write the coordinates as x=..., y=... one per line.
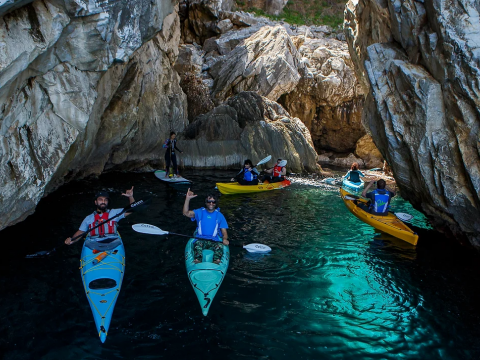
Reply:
x=332, y=288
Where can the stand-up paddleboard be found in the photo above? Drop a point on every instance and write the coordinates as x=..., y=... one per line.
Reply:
x=160, y=174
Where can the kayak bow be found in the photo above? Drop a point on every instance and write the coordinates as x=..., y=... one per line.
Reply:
x=102, y=268
x=206, y=276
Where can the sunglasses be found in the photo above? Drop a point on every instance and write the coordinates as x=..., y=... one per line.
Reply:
x=210, y=201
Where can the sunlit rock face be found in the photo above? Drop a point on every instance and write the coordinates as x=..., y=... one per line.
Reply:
x=419, y=63
x=82, y=85
x=267, y=63
x=248, y=125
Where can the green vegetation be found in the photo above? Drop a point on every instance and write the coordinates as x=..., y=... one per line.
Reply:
x=304, y=12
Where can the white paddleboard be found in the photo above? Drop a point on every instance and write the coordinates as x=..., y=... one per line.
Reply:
x=257, y=248
x=160, y=174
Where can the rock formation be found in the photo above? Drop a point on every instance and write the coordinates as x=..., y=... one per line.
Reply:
x=82, y=85
x=419, y=64
x=248, y=125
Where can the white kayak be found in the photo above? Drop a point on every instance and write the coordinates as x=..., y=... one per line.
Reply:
x=160, y=174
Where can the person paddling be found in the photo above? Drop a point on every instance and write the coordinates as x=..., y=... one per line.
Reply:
x=108, y=232
x=379, y=198
x=248, y=175
x=209, y=221
x=277, y=173
x=170, y=157
x=354, y=174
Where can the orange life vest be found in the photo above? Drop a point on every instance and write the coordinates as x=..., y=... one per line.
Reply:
x=277, y=171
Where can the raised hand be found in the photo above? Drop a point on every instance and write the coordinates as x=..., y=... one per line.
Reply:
x=190, y=194
x=128, y=193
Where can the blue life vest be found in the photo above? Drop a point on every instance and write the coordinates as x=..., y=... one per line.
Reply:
x=354, y=176
x=249, y=175
x=207, y=225
x=380, y=203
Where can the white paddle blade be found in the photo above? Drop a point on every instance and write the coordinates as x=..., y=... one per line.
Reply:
x=349, y=197
x=404, y=216
x=257, y=248
x=148, y=229
x=263, y=161
x=282, y=163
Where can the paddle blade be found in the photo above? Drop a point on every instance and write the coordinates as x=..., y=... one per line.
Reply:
x=257, y=248
x=148, y=229
x=137, y=205
x=282, y=163
x=404, y=216
x=263, y=161
x=351, y=197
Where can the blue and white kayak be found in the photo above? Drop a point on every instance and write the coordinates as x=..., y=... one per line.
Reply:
x=102, y=267
x=206, y=276
x=352, y=186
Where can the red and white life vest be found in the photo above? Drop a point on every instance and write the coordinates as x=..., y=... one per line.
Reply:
x=108, y=228
x=277, y=171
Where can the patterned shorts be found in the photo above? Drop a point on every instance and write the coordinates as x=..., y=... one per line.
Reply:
x=200, y=245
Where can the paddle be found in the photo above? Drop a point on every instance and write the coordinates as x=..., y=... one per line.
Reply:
x=263, y=161
x=154, y=230
x=132, y=207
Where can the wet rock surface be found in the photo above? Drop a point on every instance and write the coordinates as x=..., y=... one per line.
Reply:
x=416, y=61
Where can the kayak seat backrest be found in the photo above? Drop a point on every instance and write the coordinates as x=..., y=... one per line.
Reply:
x=102, y=284
x=207, y=255
x=96, y=245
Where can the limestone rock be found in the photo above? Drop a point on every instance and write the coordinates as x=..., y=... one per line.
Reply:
x=273, y=7
x=368, y=152
x=267, y=63
x=417, y=61
x=248, y=126
x=79, y=93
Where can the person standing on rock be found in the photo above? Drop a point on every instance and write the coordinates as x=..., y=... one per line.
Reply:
x=277, y=173
x=170, y=157
x=248, y=175
x=354, y=174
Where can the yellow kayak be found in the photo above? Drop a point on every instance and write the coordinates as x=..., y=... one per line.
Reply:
x=389, y=224
x=236, y=188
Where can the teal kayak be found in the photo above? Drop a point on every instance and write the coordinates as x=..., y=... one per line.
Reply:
x=352, y=186
x=102, y=266
x=206, y=276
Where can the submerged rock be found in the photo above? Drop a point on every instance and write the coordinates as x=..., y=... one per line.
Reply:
x=248, y=126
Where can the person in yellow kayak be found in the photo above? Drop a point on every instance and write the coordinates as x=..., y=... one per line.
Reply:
x=209, y=221
x=276, y=173
x=108, y=232
x=379, y=198
x=354, y=174
x=248, y=175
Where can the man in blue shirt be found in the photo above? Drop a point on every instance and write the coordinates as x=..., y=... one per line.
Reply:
x=100, y=215
x=379, y=198
x=210, y=222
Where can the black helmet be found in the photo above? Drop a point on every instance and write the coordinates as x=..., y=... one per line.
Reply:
x=102, y=193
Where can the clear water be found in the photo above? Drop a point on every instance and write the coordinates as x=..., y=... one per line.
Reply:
x=331, y=288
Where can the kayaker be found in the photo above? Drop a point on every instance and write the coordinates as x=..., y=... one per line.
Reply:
x=102, y=213
x=248, y=175
x=170, y=157
x=209, y=221
x=276, y=173
x=379, y=198
x=354, y=174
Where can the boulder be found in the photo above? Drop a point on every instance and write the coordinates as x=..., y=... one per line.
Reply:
x=368, y=152
x=267, y=63
x=247, y=126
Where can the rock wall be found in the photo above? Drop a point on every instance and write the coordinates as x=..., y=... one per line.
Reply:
x=82, y=85
x=419, y=64
x=248, y=125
